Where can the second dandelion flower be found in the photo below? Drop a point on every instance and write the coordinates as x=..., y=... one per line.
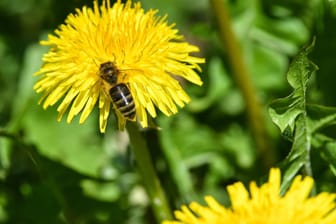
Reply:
x=117, y=55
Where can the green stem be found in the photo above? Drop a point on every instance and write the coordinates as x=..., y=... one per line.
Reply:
x=243, y=80
x=152, y=184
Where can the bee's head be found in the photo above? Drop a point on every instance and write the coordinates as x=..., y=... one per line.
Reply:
x=108, y=71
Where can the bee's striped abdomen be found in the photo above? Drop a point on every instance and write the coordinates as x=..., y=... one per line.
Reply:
x=123, y=100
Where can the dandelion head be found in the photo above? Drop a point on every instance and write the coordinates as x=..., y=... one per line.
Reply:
x=119, y=58
x=264, y=205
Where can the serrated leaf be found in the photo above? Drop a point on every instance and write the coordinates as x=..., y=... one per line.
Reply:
x=290, y=115
x=299, y=155
x=302, y=121
x=284, y=111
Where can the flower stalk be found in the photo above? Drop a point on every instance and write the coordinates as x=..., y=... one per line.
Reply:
x=151, y=182
x=243, y=80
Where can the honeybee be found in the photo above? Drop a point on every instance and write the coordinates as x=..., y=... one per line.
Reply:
x=120, y=94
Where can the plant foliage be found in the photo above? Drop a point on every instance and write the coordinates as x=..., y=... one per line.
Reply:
x=54, y=172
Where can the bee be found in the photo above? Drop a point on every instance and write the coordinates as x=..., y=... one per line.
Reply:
x=120, y=94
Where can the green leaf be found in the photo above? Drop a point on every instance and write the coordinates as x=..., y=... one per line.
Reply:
x=320, y=116
x=303, y=122
x=290, y=115
x=330, y=155
x=299, y=155
x=328, y=152
x=285, y=111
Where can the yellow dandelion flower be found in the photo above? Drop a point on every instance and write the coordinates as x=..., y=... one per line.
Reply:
x=120, y=56
x=264, y=205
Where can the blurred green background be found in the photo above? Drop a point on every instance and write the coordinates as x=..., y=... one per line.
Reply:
x=50, y=169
